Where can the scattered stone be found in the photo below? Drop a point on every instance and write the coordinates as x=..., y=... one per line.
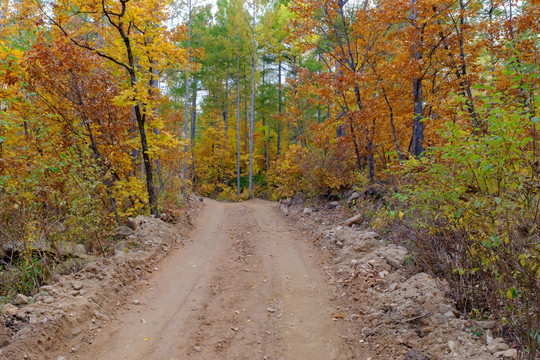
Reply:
x=394, y=255
x=77, y=285
x=22, y=299
x=135, y=223
x=136, y=302
x=307, y=211
x=9, y=310
x=450, y=315
x=415, y=355
x=271, y=310
x=489, y=337
x=121, y=232
x=61, y=358
x=491, y=324
x=76, y=331
x=197, y=348
x=333, y=204
x=507, y=354
x=356, y=219
x=353, y=197
x=497, y=345
x=164, y=217
x=297, y=200
x=48, y=300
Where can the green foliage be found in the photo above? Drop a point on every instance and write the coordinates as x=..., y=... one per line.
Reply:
x=475, y=207
x=258, y=180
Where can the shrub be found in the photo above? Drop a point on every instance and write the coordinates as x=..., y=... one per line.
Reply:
x=474, y=209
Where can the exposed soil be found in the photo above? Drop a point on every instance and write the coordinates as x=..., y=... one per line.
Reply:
x=392, y=310
x=252, y=282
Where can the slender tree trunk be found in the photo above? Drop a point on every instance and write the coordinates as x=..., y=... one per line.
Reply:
x=140, y=116
x=226, y=109
x=186, y=105
x=246, y=126
x=280, y=107
x=193, y=127
x=417, y=148
x=417, y=139
x=237, y=115
x=356, y=150
x=252, y=105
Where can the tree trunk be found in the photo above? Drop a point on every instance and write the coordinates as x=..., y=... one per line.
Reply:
x=252, y=105
x=193, y=127
x=226, y=109
x=417, y=138
x=237, y=116
x=280, y=107
x=246, y=127
x=417, y=148
x=186, y=108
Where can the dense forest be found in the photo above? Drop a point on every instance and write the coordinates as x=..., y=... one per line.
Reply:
x=111, y=109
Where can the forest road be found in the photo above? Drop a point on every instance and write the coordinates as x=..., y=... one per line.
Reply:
x=245, y=287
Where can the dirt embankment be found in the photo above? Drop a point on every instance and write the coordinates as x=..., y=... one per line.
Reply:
x=391, y=310
x=38, y=327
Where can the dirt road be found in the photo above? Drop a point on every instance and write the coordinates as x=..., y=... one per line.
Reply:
x=244, y=288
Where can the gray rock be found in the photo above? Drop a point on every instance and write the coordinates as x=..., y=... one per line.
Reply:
x=450, y=315
x=77, y=285
x=136, y=302
x=489, y=337
x=497, y=345
x=491, y=324
x=9, y=310
x=76, y=331
x=297, y=200
x=135, y=223
x=121, y=232
x=394, y=255
x=22, y=299
x=415, y=355
x=307, y=211
x=507, y=354
x=356, y=219
x=353, y=197
x=393, y=286
x=333, y=204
